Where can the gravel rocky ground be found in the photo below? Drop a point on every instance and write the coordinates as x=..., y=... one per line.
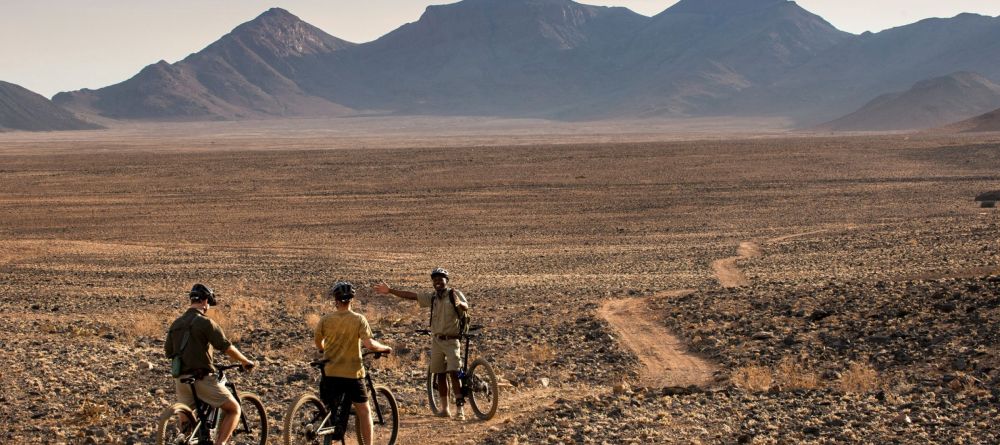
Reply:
x=97, y=247
x=915, y=361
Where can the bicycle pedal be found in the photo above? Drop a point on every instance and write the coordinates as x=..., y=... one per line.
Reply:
x=336, y=435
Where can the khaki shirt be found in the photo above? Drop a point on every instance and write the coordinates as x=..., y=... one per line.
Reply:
x=342, y=333
x=206, y=336
x=444, y=319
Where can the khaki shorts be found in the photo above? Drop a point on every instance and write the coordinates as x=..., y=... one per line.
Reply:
x=445, y=352
x=209, y=391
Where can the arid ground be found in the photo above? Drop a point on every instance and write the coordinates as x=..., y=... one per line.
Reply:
x=637, y=287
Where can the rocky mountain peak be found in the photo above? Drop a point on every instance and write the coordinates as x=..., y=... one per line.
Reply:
x=722, y=7
x=285, y=34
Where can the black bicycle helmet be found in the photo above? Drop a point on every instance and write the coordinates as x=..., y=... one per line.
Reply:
x=440, y=272
x=342, y=291
x=201, y=292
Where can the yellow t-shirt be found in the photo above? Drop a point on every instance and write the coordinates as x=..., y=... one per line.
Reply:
x=342, y=332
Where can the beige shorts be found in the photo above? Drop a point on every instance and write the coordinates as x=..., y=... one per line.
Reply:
x=209, y=391
x=445, y=355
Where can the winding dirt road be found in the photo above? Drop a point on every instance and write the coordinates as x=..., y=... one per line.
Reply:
x=726, y=271
x=664, y=359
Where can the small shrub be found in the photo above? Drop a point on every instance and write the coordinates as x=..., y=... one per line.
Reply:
x=148, y=325
x=312, y=320
x=792, y=374
x=752, y=378
x=859, y=378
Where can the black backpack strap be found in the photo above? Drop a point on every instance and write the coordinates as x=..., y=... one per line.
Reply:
x=186, y=337
x=461, y=319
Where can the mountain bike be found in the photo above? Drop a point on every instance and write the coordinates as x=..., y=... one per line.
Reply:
x=478, y=381
x=179, y=424
x=309, y=419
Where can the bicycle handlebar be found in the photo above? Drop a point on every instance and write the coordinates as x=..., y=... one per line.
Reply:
x=319, y=363
x=221, y=367
x=472, y=329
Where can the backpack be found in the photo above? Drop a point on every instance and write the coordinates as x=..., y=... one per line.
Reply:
x=464, y=318
x=176, y=364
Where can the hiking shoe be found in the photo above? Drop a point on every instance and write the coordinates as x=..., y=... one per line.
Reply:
x=460, y=415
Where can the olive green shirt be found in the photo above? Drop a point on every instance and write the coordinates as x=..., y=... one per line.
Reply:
x=206, y=337
x=444, y=319
x=342, y=333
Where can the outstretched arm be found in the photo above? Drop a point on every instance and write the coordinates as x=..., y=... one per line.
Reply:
x=383, y=288
x=373, y=345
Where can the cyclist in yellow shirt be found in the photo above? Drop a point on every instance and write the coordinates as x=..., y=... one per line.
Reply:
x=338, y=336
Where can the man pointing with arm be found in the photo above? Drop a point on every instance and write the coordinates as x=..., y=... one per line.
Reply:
x=446, y=304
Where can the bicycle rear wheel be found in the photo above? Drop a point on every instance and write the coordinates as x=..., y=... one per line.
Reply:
x=252, y=426
x=385, y=418
x=302, y=420
x=433, y=397
x=175, y=425
x=484, y=392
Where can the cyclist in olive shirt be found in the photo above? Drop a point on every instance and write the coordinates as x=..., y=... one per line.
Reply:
x=196, y=356
x=446, y=356
x=338, y=336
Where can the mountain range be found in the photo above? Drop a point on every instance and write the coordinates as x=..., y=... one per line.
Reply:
x=556, y=59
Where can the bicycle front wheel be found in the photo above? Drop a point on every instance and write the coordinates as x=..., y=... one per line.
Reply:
x=484, y=392
x=252, y=427
x=385, y=417
x=302, y=420
x=175, y=425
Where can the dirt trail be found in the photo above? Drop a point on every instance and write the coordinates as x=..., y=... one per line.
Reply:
x=726, y=271
x=663, y=357
x=665, y=362
x=730, y=275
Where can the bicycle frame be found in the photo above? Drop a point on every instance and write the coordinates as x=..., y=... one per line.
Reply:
x=464, y=375
x=207, y=416
x=344, y=413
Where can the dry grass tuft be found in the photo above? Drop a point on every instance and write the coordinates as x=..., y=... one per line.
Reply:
x=752, y=378
x=792, y=374
x=91, y=413
x=240, y=316
x=298, y=302
x=859, y=378
x=312, y=320
x=147, y=325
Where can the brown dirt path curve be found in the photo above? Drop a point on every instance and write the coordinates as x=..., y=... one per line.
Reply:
x=665, y=362
x=728, y=274
x=726, y=269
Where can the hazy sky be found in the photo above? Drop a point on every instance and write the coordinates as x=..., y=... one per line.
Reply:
x=49, y=46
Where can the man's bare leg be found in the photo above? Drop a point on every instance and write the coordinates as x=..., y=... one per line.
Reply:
x=231, y=415
x=365, y=417
x=442, y=384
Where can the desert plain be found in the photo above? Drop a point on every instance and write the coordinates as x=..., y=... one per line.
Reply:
x=638, y=283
